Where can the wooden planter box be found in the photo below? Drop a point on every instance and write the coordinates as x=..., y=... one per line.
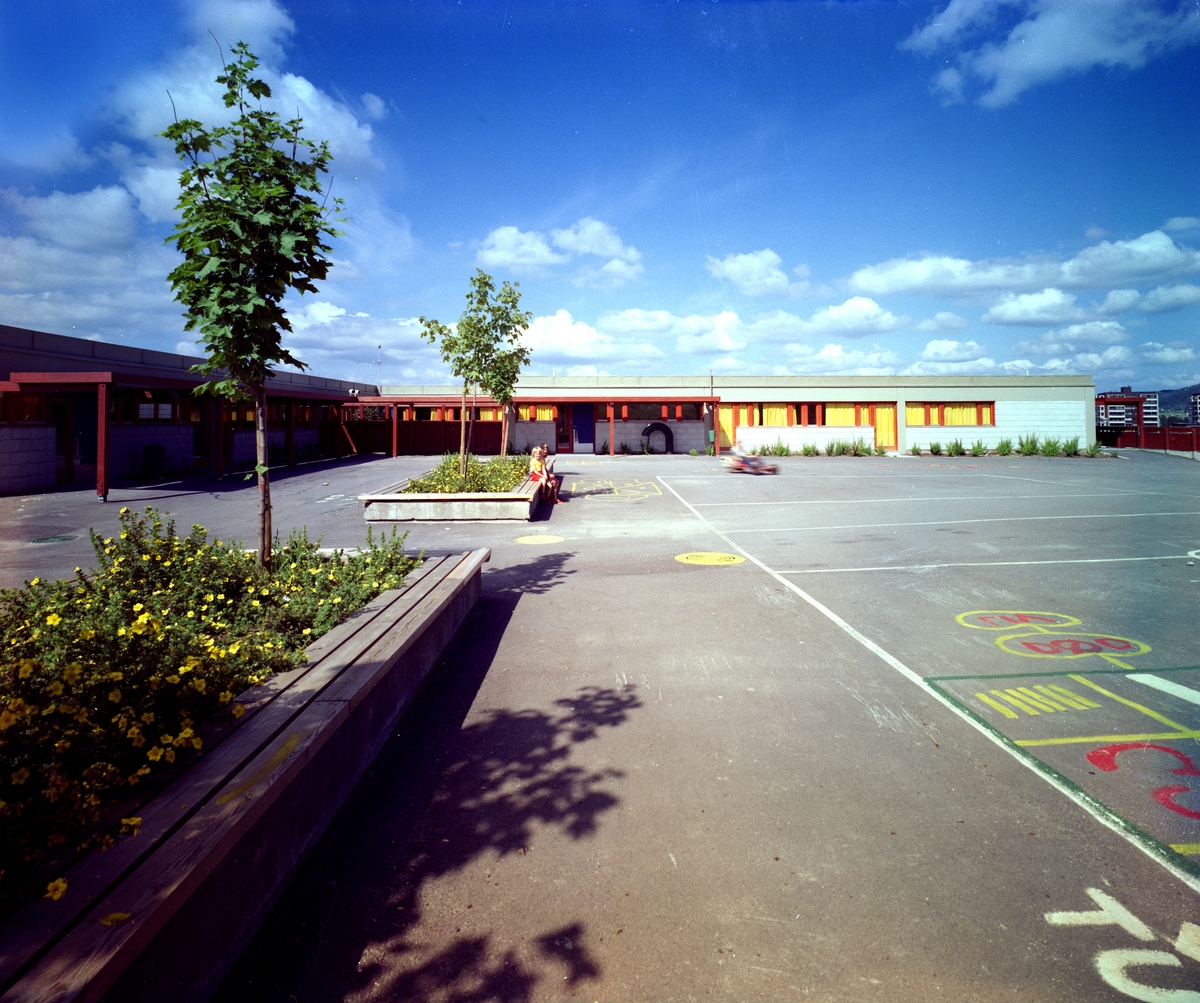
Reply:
x=163, y=915
x=389, y=505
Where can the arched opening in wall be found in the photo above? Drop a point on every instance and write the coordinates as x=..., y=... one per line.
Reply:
x=654, y=429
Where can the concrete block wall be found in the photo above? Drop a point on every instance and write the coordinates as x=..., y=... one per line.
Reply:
x=524, y=434
x=126, y=442
x=688, y=435
x=1056, y=419
x=27, y=461
x=796, y=437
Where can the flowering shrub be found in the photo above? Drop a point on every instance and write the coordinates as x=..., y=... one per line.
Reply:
x=497, y=474
x=107, y=678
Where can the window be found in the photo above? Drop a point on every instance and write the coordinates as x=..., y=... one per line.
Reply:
x=950, y=413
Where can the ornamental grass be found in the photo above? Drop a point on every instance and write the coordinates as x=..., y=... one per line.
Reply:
x=497, y=474
x=109, y=678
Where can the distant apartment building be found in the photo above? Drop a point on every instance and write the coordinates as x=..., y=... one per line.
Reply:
x=1194, y=409
x=1111, y=415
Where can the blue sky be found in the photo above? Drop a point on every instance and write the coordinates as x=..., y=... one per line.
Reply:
x=959, y=186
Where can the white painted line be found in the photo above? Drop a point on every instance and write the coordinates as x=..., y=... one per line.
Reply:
x=981, y=564
x=931, y=498
x=1010, y=477
x=964, y=522
x=1166, y=686
x=1096, y=809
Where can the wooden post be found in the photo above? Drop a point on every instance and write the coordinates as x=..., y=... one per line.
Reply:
x=289, y=432
x=102, y=396
x=612, y=429
x=941, y=415
x=395, y=429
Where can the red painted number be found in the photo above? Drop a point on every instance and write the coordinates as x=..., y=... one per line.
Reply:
x=1105, y=758
x=1071, y=646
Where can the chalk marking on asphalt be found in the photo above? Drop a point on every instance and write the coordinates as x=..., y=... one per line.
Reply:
x=1167, y=686
x=1186, y=847
x=910, y=498
x=1010, y=477
x=1152, y=714
x=980, y=564
x=964, y=522
x=1096, y=809
x=673, y=860
x=1110, y=913
x=1030, y=743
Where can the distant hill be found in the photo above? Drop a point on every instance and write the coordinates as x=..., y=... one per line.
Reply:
x=1176, y=401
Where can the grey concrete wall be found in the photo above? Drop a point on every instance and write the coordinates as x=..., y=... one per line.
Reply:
x=26, y=458
x=126, y=442
x=524, y=434
x=688, y=435
x=1060, y=419
x=796, y=437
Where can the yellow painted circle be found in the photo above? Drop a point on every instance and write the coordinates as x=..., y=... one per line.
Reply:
x=1070, y=644
x=709, y=559
x=539, y=539
x=1008, y=619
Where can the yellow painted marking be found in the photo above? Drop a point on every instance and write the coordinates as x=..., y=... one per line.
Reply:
x=632, y=490
x=1108, y=739
x=1014, y=698
x=1061, y=619
x=1054, y=637
x=1068, y=696
x=984, y=698
x=1045, y=703
x=1186, y=847
x=271, y=765
x=709, y=559
x=1129, y=703
x=539, y=538
x=1117, y=662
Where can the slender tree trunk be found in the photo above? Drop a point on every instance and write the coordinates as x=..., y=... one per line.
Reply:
x=462, y=434
x=504, y=432
x=471, y=428
x=264, y=480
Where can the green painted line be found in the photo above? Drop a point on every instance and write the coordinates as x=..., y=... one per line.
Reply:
x=1157, y=848
x=1065, y=672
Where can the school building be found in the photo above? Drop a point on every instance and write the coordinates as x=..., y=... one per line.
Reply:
x=74, y=410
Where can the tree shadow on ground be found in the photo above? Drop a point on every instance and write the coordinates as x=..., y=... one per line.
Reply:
x=440, y=796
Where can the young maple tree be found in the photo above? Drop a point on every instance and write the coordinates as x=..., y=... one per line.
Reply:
x=484, y=347
x=251, y=229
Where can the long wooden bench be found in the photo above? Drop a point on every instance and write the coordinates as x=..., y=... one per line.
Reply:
x=168, y=910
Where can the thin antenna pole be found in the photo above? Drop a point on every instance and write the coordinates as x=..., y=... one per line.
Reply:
x=379, y=370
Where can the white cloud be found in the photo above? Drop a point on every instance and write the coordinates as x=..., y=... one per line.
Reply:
x=1095, y=233
x=374, y=106
x=100, y=220
x=1110, y=357
x=1181, y=223
x=727, y=364
x=508, y=247
x=1154, y=351
x=1166, y=298
x=943, y=322
x=1071, y=338
x=530, y=252
x=695, y=333
x=759, y=273
x=559, y=336
x=834, y=359
x=857, y=317
x=1151, y=257
x=1050, y=306
x=1119, y=301
x=953, y=351
x=1052, y=39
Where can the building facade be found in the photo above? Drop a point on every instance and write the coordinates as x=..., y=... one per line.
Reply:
x=1124, y=415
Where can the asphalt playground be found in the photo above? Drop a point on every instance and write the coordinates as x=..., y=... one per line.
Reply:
x=916, y=729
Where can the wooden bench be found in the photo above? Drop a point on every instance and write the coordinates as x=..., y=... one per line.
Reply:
x=166, y=912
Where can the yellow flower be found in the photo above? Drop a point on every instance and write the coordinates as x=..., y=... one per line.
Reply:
x=209, y=597
x=172, y=679
x=191, y=613
x=35, y=581
x=148, y=717
x=139, y=741
x=306, y=631
x=8, y=718
x=138, y=607
x=155, y=754
x=116, y=677
x=54, y=619
x=184, y=735
x=55, y=688
x=21, y=775
x=255, y=602
x=133, y=823
x=26, y=669
x=225, y=698
x=197, y=743
x=337, y=600
x=73, y=672
x=266, y=592
x=170, y=755
x=114, y=919
x=86, y=634
x=238, y=710
x=199, y=685
x=220, y=595
x=145, y=557
x=56, y=889
x=115, y=696
x=166, y=739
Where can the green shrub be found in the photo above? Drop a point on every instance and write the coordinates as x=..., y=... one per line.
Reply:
x=978, y=448
x=779, y=449
x=955, y=447
x=108, y=678
x=710, y=450
x=935, y=448
x=1027, y=445
x=859, y=447
x=839, y=447
x=1071, y=446
x=1093, y=449
x=1051, y=447
x=915, y=449
x=497, y=474
x=809, y=449
x=1004, y=447
x=881, y=451
x=627, y=450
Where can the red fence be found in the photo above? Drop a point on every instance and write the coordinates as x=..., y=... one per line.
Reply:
x=1183, y=440
x=413, y=438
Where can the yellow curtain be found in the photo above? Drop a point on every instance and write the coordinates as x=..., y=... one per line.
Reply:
x=545, y=413
x=914, y=414
x=839, y=414
x=725, y=417
x=885, y=425
x=774, y=414
x=960, y=414
x=988, y=418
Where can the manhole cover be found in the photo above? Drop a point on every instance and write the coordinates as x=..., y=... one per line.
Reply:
x=61, y=538
x=705, y=558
